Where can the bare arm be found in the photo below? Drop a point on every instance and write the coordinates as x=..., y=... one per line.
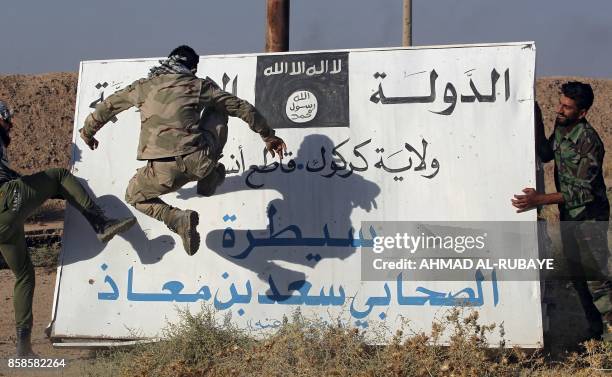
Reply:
x=532, y=199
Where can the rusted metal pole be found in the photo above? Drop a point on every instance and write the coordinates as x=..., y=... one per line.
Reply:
x=277, y=28
x=407, y=24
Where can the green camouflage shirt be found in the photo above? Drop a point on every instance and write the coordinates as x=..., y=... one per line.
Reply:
x=578, y=153
x=170, y=107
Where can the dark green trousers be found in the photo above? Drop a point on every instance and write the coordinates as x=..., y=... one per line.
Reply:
x=18, y=199
x=585, y=246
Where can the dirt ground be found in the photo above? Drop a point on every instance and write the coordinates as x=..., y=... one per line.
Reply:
x=44, y=110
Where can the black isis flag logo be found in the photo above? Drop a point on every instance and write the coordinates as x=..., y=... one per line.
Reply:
x=305, y=90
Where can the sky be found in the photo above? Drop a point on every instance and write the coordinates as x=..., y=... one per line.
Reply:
x=573, y=38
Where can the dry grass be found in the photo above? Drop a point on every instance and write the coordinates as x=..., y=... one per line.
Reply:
x=200, y=345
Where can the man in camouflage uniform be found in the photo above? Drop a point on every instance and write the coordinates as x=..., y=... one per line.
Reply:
x=178, y=145
x=19, y=197
x=581, y=196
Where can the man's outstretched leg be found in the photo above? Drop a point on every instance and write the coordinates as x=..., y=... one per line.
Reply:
x=20, y=197
x=37, y=188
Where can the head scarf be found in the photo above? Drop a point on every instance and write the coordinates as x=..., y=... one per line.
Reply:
x=173, y=65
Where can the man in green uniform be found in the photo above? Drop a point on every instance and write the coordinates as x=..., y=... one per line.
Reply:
x=177, y=149
x=584, y=210
x=19, y=197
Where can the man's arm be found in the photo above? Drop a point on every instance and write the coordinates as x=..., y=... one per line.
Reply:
x=106, y=110
x=576, y=179
x=231, y=105
x=543, y=145
x=532, y=199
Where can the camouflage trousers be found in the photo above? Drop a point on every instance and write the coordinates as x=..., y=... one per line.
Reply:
x=163, y=176
x=585, y=246
x=18, y=199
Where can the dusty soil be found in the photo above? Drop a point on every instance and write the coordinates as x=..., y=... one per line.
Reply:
x=44, y=110
x=44, y=113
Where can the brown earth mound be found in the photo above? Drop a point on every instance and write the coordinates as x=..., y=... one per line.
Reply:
x=44, y=113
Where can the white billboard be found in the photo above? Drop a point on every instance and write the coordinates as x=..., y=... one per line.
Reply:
x=441, y=133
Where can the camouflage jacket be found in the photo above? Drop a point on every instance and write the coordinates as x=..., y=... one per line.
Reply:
x=578, y=153
x=170, y=107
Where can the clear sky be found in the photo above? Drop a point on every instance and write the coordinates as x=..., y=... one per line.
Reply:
x=573, y=37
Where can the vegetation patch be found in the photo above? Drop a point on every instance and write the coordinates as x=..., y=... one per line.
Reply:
x=202, y=345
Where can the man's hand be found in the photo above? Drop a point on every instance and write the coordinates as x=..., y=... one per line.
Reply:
x=275, y=144
x=91, y=142
x=530, y=200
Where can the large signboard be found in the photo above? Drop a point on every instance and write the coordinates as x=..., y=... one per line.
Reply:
x=418, y=134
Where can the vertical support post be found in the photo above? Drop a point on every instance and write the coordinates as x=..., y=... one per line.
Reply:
x=277, y=27
x=407, y=24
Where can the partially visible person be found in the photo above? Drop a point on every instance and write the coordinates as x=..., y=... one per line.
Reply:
x=19, y=197
x=584, y=209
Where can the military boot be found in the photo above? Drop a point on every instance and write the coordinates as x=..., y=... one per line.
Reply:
x=104, y=227
x=24, y=343
x=208, y=185
x=184, y=223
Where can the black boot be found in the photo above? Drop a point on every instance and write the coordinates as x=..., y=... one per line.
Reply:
x=24, y=343
x=104, y=227
x=208, y=185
